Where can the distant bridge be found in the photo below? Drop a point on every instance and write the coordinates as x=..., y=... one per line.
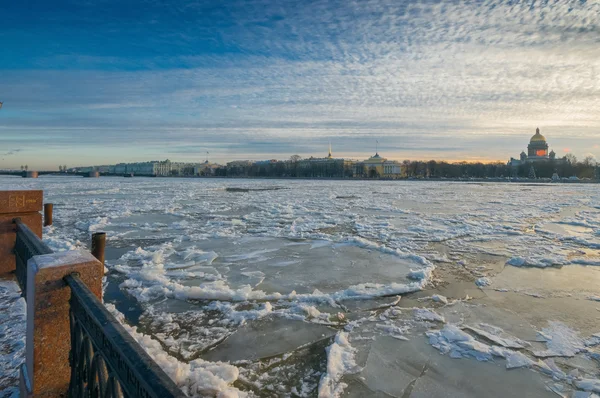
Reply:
x=59, y=173
x=43, y=172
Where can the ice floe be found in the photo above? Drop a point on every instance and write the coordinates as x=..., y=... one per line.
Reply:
x=483, y=281
x=425, y=314
x=340, y=361
x=196, y=378
x=561, y=341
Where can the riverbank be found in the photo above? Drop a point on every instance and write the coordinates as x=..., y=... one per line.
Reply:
x=431, y=179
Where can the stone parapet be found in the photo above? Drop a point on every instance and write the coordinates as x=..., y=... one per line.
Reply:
x=23, y=204
x=48, y=340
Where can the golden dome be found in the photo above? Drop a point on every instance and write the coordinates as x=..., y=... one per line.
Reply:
x=537, y=137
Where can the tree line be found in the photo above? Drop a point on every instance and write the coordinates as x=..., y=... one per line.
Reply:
x=567, y=166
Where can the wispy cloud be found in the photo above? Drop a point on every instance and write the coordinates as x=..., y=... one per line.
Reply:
x=266, y=78
x=12, y=152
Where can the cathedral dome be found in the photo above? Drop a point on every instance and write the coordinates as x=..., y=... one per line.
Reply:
x=537, y=137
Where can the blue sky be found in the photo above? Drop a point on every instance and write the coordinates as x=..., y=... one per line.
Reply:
x=97, y=82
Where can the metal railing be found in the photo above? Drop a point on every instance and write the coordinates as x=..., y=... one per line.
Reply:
x=105, y=360
x=27, y=245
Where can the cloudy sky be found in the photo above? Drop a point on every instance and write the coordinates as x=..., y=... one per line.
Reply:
x=102, y=81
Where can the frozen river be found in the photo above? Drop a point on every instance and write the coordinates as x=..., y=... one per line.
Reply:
x=348, y=288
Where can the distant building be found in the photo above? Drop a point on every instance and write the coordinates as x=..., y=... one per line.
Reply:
x=324, y=167
x=378, y=167
x=155, y=168
x=537, y=151
x=206, y=169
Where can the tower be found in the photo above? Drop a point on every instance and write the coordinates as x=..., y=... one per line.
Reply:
x=538, y=147
x=329, y=156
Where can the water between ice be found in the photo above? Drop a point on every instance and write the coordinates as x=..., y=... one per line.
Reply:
x=306, y=288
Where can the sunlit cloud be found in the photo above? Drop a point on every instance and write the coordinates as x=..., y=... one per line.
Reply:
x=265, y=79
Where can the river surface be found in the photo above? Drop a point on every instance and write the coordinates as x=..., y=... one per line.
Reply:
x=275, y=288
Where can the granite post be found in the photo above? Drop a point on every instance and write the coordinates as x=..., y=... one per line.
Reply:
x=48, y=341
x=25, y=205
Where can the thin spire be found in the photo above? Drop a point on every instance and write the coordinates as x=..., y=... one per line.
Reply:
x=330, y=155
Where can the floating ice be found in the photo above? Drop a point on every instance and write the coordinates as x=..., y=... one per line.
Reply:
x=438, y=298
x=12, y=330
x=561, y=341
x=516, y=262
x=397, y=332
x=424, y=314
x=483, y=282
x=458, y=344
x=407, y=223
x=197, y=378
x=241, y=317
x=593, y=340
x=340, y=361
x=588, y=384
x=518, y=360
x=497, y=336
x=62, y=244
x=548, y=367
x=537, y=262
x=198, y=256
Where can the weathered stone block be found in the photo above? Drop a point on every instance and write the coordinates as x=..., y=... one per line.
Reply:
x=23, y=204
x=48, y=326
x=21, y=201
x=8, y=235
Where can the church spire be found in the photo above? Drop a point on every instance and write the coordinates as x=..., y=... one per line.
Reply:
x=330, y=155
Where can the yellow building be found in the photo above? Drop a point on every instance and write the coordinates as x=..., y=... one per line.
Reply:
x=378, y=167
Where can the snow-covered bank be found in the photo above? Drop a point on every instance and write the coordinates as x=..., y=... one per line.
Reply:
x=13, y=319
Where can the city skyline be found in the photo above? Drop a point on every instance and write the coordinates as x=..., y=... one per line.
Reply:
x=205, y=157
x=97, y=82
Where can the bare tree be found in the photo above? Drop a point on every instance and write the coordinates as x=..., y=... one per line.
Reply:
x=295, y=158
x=589, y=161
x=26, y=167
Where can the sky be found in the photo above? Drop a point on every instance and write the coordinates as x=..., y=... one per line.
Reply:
x=100, y=81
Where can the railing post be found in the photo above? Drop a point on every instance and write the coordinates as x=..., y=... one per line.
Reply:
x=48, y=339
x=47, y=214
x=25, y=205
x=98, y=245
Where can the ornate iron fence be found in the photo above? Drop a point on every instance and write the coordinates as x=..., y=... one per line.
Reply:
x=27, y=245
x=105, y=360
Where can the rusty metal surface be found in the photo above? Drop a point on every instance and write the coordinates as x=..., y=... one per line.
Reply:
x=48, y=207
x=99, y=245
